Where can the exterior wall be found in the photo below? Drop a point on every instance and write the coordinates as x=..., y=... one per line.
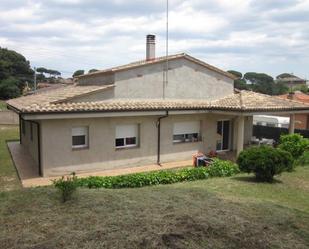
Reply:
x=59, y=158
x=31, y=145
x=8, y=117
x=248, y=131
x=187, y=80
x=106, y=79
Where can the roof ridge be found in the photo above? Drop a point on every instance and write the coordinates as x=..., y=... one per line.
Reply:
x=111, y=69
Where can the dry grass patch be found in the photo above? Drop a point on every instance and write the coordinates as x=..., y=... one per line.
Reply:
x=216, y=213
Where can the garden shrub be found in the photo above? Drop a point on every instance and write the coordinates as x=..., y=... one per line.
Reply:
x=222, y=168
x=67, y=186
x=295, y=144
x=303, y=160
x=219, y=168
x=265, y=162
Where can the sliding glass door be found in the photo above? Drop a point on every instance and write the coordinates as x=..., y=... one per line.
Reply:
x=223, y=135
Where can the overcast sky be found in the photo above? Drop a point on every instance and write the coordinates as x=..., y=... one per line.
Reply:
x=270, y=36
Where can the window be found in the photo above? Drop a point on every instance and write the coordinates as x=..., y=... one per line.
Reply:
x=223, y=135
x=126, y=136
x=186, y=132
x=80, y=137
x=31, y=131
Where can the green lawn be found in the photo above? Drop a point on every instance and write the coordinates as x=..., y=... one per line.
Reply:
x=231, y=212
x=8, y=176
x=2, y=105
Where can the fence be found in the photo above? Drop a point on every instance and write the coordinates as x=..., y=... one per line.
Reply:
x=261, y=131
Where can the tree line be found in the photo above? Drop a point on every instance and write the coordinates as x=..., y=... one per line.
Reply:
x=16, y=73
x=263, y=83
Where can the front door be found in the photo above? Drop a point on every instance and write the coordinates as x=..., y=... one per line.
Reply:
x=223, y=135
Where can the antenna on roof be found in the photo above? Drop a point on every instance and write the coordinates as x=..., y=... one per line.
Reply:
x=165, y=78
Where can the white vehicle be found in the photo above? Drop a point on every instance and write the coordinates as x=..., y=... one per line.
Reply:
x=271, y=121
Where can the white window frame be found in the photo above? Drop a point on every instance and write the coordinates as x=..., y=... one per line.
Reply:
x=132, y=132
x=80, y=131
x=189, y=132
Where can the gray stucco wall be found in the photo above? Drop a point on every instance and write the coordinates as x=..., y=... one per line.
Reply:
x=100, y=79
x=58, y=157
x=186, y=80
x=248, y=129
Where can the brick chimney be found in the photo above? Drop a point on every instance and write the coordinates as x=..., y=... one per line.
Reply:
x=150, y=47
x=291, y=95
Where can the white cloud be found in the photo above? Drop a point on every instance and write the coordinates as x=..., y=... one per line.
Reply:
x=248, y=35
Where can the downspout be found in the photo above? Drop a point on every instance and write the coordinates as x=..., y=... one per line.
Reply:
x=20, y=128
x=39, y=144
x=159, y=136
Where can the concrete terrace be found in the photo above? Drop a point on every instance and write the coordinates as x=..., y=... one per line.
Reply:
x=29, y=175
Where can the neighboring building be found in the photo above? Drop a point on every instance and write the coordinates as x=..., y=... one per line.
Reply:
x=302, y=119
x=291, y=80
x=128, y=116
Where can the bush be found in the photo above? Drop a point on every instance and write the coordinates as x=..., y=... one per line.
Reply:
x=67, y=186
x=294, y=143
x=265, y=162
x=219, y=168
x=303, y=160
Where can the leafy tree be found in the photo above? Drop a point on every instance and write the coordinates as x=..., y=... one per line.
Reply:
x=14, y=72
x=9, y=88
x=93, y=70
x=236, y=73
x=280, y=88
x=78, y=73
x=42, y=70
x=302, y=88
x=239, y=83
x=260, y=82
x=52, y=73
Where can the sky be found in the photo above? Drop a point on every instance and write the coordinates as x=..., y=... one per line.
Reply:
x=269, y=36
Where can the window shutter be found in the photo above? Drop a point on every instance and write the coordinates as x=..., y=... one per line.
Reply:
x=186, y=127
x=123, y=131
x=79, y=131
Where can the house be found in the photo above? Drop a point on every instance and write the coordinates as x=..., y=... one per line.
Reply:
x=290, y=80
x=301, y=119
x=157, y=110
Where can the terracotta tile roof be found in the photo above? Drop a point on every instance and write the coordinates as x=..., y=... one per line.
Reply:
x=299, y=96
x=244, y=101
x=158, y=60
x=52, y=96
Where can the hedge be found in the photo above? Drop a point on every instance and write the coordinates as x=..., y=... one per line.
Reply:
x=218, y=168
